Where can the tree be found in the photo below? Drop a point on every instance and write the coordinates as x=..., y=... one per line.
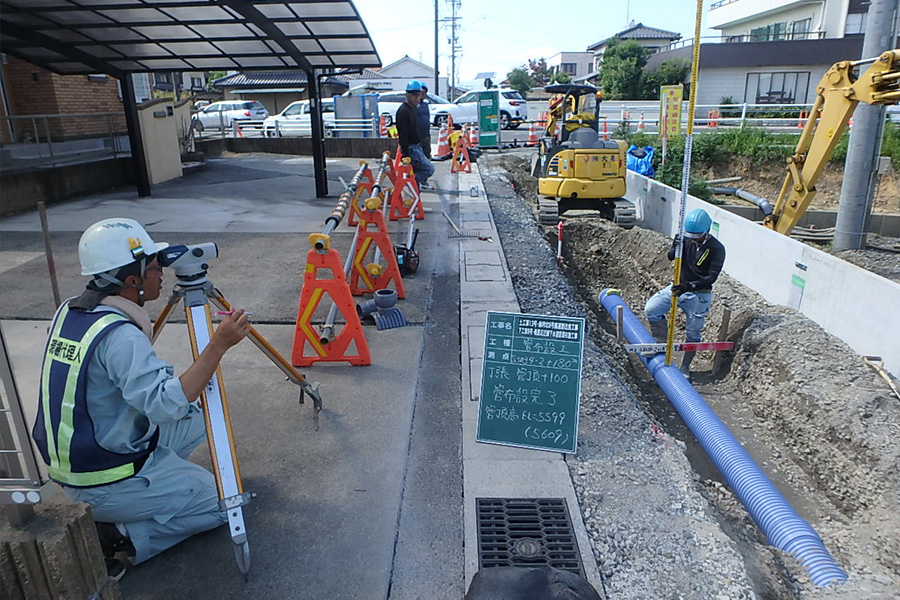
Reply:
x=560, y=77
x=670, y=72
x=213, y=75
x=520, y=80
x=620, y=73
x=540, y=73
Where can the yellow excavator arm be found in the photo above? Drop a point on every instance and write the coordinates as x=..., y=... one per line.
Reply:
x=837, y=96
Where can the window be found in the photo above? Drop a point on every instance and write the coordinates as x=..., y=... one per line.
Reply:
x=856, y=23
x=768, y=33
x=295, y=109
x=162, y=78
x=570, y=68
x=196, y=83
x=800, y=29
x=514, y=95
x=777, y=88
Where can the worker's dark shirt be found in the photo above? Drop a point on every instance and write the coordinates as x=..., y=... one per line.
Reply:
x=407, y=127
x=700, y=263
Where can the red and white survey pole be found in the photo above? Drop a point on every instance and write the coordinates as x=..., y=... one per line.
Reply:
x=559, y=244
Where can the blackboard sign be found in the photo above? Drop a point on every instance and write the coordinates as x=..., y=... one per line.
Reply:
x=531, y=381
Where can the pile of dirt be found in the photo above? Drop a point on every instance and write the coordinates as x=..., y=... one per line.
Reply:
x=765, y=180
x=822, y=425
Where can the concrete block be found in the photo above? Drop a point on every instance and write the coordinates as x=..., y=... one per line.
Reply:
x=55, y=556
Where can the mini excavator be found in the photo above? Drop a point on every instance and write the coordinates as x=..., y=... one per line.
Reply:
x=576, y=169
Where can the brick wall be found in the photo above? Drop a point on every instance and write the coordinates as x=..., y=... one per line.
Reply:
x=36, y=91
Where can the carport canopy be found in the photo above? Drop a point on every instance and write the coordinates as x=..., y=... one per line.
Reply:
x=122, y=37
x=118, y=37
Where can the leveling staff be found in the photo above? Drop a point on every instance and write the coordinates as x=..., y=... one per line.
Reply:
x=114, y=425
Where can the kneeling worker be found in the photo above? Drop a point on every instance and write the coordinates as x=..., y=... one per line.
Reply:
x=114, y=425
x=702, y=257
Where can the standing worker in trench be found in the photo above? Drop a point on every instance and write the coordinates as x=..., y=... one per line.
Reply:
x=702, y=257
x=114, y=425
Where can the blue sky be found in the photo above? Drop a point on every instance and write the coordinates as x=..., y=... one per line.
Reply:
x=499, y=36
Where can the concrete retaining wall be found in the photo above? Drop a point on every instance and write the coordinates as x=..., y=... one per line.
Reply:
x=369, y=148
x=846, y=301
x=23, y=191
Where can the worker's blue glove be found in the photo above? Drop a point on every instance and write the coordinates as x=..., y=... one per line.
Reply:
x=682, y=288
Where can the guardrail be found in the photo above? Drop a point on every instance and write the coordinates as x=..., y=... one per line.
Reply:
x=29, y=142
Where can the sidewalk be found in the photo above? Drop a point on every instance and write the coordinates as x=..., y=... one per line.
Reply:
x=377, y=503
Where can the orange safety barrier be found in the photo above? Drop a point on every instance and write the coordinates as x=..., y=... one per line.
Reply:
x=460, y=161
x=404, y=194
x=311, y=295
x=365, y=279
x=533, y=139
x=363, y=190
x=443, y=145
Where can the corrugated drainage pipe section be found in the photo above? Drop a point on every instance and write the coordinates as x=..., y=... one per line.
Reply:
x=782, y=526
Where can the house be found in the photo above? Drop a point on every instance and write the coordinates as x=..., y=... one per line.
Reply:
x=649, y=37
x=574, y=64
x=188, y=82
x=773, y=53
x=276, y=89
x=400, y=72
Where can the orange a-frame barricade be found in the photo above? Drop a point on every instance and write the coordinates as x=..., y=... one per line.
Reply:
x=363, y=190
x=405, y=179
x=460, y=160
x=363, y=280
x=313, y=292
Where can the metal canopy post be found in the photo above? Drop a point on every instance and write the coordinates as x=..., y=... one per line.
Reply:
x=318, y=137
x=135, y=138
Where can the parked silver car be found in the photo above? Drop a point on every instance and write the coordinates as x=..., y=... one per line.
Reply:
x=513, y=107
x=296, y=120
x=222, y=115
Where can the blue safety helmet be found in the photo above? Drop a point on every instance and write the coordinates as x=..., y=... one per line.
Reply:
x=413, y=86
x=697, y=223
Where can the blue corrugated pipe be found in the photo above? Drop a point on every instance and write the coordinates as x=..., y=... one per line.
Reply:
x=780, y=523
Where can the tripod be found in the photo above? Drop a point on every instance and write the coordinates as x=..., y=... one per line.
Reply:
x=197, y=293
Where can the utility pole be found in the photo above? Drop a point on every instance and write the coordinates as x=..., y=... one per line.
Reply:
x=454, y=43
x=858, y=189
x=437, y=90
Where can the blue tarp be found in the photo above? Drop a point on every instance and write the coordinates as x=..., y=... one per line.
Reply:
x=640, y=160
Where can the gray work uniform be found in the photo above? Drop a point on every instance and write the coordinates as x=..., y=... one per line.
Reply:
x=131, y=391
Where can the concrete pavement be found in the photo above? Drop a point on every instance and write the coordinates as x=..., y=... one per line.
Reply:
x=379, y=503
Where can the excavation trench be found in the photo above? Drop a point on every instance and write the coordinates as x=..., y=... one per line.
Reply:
x=819, y=423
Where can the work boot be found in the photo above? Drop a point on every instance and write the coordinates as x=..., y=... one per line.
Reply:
x=659, y=330
x=112, y=540
x=685, y=367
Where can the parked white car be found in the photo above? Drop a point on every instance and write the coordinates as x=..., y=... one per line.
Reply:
x=295, y=120
x=219, y=115
x=439, y=108
x=513, y=107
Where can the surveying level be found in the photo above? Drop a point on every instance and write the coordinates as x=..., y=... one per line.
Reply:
x=191, y=267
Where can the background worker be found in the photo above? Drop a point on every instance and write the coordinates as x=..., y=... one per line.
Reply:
x=114, y=425
x=702, y=257
x=409, y=136
x=423, y=114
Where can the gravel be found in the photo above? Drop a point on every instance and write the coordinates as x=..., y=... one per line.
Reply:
x=661, y=521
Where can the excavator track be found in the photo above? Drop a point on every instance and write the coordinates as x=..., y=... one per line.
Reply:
x=548, y=211
x=624, y=214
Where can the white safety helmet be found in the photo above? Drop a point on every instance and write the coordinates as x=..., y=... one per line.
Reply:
x=113, y=243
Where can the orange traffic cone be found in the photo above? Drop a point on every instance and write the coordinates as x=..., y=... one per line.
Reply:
x=532, y=135
x=473, y=135
x=443, y=151
x=640, y=126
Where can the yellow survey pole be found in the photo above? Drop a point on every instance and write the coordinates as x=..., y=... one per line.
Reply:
x=685, y=177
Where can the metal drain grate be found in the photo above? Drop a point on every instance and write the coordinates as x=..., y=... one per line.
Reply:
x=526, y=532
